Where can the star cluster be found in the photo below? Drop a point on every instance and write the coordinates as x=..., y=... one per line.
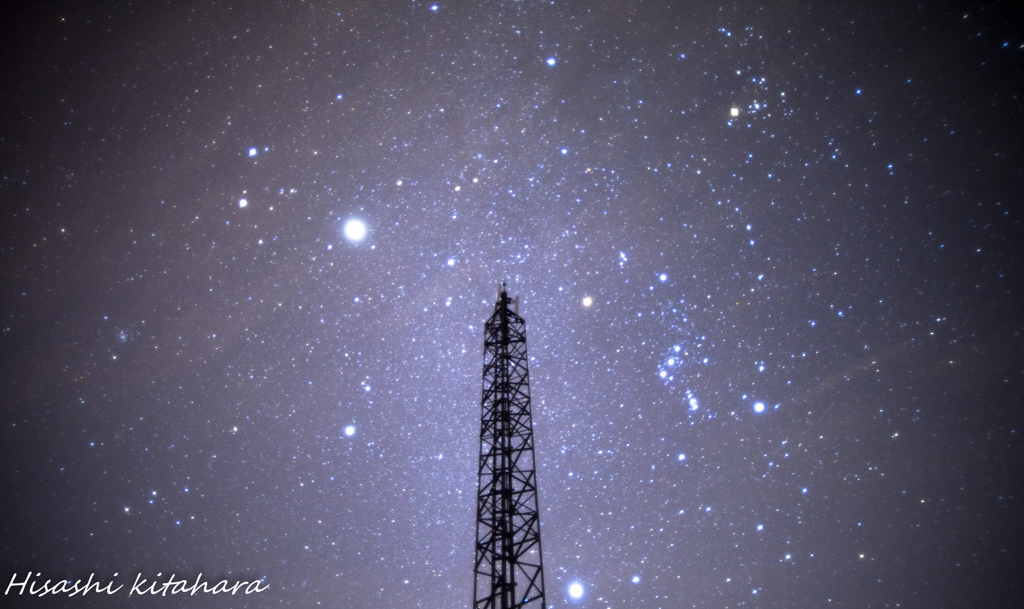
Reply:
x=769, y=258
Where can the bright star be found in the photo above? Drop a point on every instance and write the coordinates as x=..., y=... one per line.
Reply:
x=576, y=590
x=758, y=406
x=350, y=430
x=242, y=203
x=587, y=301
x=355, y=230
x=550, y=61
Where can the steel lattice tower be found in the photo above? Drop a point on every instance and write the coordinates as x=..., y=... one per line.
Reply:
x=509, y=572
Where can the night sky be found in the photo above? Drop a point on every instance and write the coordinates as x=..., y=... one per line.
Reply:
x=769, y=256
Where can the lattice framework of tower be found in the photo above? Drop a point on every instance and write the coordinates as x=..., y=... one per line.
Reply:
x=509, y=570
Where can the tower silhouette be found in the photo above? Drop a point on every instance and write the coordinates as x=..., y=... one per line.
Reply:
x=508, y=572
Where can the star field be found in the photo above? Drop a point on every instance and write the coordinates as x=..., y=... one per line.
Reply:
x=769, y=259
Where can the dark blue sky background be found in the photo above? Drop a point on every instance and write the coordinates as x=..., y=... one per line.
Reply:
x=814, y=208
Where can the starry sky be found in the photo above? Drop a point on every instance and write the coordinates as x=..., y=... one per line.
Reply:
x=769, y=256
